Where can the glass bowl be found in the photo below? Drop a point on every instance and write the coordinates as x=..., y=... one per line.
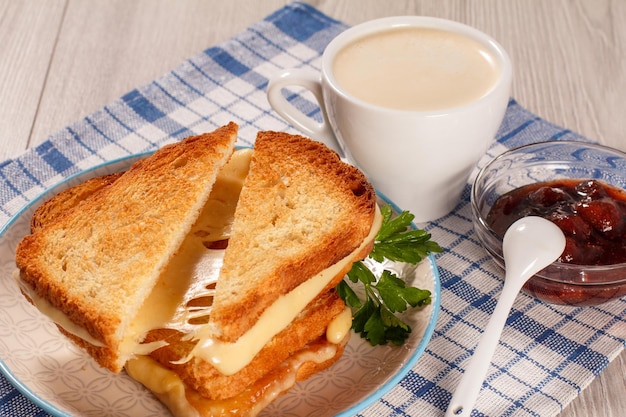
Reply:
x=560, y=282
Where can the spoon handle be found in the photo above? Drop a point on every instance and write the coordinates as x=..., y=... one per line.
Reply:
x=466, y=393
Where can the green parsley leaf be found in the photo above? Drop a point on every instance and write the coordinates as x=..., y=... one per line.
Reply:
x=397, y=242
x=348, y=295
x=374, y=318
x=397, y=296
x=360, y=272
x=362, y=315
x=390, y=288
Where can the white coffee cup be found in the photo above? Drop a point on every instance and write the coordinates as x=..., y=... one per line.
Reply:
x=420, y=154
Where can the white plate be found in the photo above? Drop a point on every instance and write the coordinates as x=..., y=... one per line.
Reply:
x=64, y=381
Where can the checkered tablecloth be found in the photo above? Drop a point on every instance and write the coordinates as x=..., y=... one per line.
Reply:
x=547, y=354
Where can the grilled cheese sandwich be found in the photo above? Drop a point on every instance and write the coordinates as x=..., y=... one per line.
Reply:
x=212, y=349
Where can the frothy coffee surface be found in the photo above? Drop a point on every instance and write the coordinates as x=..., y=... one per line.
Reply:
x=416, y=69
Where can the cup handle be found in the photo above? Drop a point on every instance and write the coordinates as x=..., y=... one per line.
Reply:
x=312, y=82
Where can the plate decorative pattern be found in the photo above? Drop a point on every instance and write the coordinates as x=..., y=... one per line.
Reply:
x=64, y=381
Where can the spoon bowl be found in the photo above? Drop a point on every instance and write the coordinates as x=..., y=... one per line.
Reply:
x=530, y=244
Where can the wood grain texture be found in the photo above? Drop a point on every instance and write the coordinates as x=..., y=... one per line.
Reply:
x=107, y=48
x=60, y=60
x=28, y=33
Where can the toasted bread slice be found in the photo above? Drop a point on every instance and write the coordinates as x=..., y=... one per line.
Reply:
x=184, y=401
x=98, y=261
x=308, y=210
x=202, y=377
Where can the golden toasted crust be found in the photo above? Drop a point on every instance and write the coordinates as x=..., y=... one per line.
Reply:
x=308, y=210
x=58, y=205
x=99, y=261
x=280, y=378
x=310, y=368
x=184, y=401
x=210, y=383
x=52, y=210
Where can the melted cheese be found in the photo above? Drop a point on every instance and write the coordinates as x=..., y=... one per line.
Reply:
x=168, y=387
x=339, y=327
x=229, y=358
x=56, y=315
x=187, y=275
x=194, y=266
x=163, y=383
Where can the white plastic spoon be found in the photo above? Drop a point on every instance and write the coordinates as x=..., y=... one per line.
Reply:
x=530, y=244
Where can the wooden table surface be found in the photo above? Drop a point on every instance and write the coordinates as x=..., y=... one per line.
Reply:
x=60, y=60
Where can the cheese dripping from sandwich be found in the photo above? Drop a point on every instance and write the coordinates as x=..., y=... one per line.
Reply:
x=192, y=274
x=231, y=357
x=189, y=275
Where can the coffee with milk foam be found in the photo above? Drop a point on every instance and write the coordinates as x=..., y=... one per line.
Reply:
x=416, y=69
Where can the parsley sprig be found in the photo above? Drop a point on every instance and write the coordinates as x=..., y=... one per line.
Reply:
x=375, y=318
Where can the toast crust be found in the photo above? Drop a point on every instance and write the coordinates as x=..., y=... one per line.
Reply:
x=98, y=260
x=307, y=207
x=210, y=383
x=246, y=403
x=56, y=206
x=249, y=403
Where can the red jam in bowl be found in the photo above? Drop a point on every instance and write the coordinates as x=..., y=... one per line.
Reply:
x=592, y=215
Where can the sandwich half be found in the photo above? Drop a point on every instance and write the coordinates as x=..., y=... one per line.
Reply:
x=94, y=264
x=243, y=304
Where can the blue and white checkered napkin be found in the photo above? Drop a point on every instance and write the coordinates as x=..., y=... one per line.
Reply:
x=547, y=354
